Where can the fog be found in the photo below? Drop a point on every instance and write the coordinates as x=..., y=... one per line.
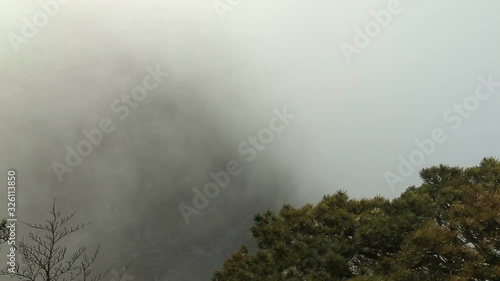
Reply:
x=227, y=79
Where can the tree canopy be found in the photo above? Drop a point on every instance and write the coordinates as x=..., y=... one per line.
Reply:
x=445, y=229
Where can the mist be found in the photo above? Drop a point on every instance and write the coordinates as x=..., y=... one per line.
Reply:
x=227, y=78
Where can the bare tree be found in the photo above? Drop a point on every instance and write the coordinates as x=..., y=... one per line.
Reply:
x=45, y=259
x=4, y=232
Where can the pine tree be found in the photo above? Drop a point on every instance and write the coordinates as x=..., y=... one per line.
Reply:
x=445, y=229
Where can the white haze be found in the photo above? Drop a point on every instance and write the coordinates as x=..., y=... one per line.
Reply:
x=226, y=77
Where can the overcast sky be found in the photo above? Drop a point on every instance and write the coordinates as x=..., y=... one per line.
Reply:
x=230, y=70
